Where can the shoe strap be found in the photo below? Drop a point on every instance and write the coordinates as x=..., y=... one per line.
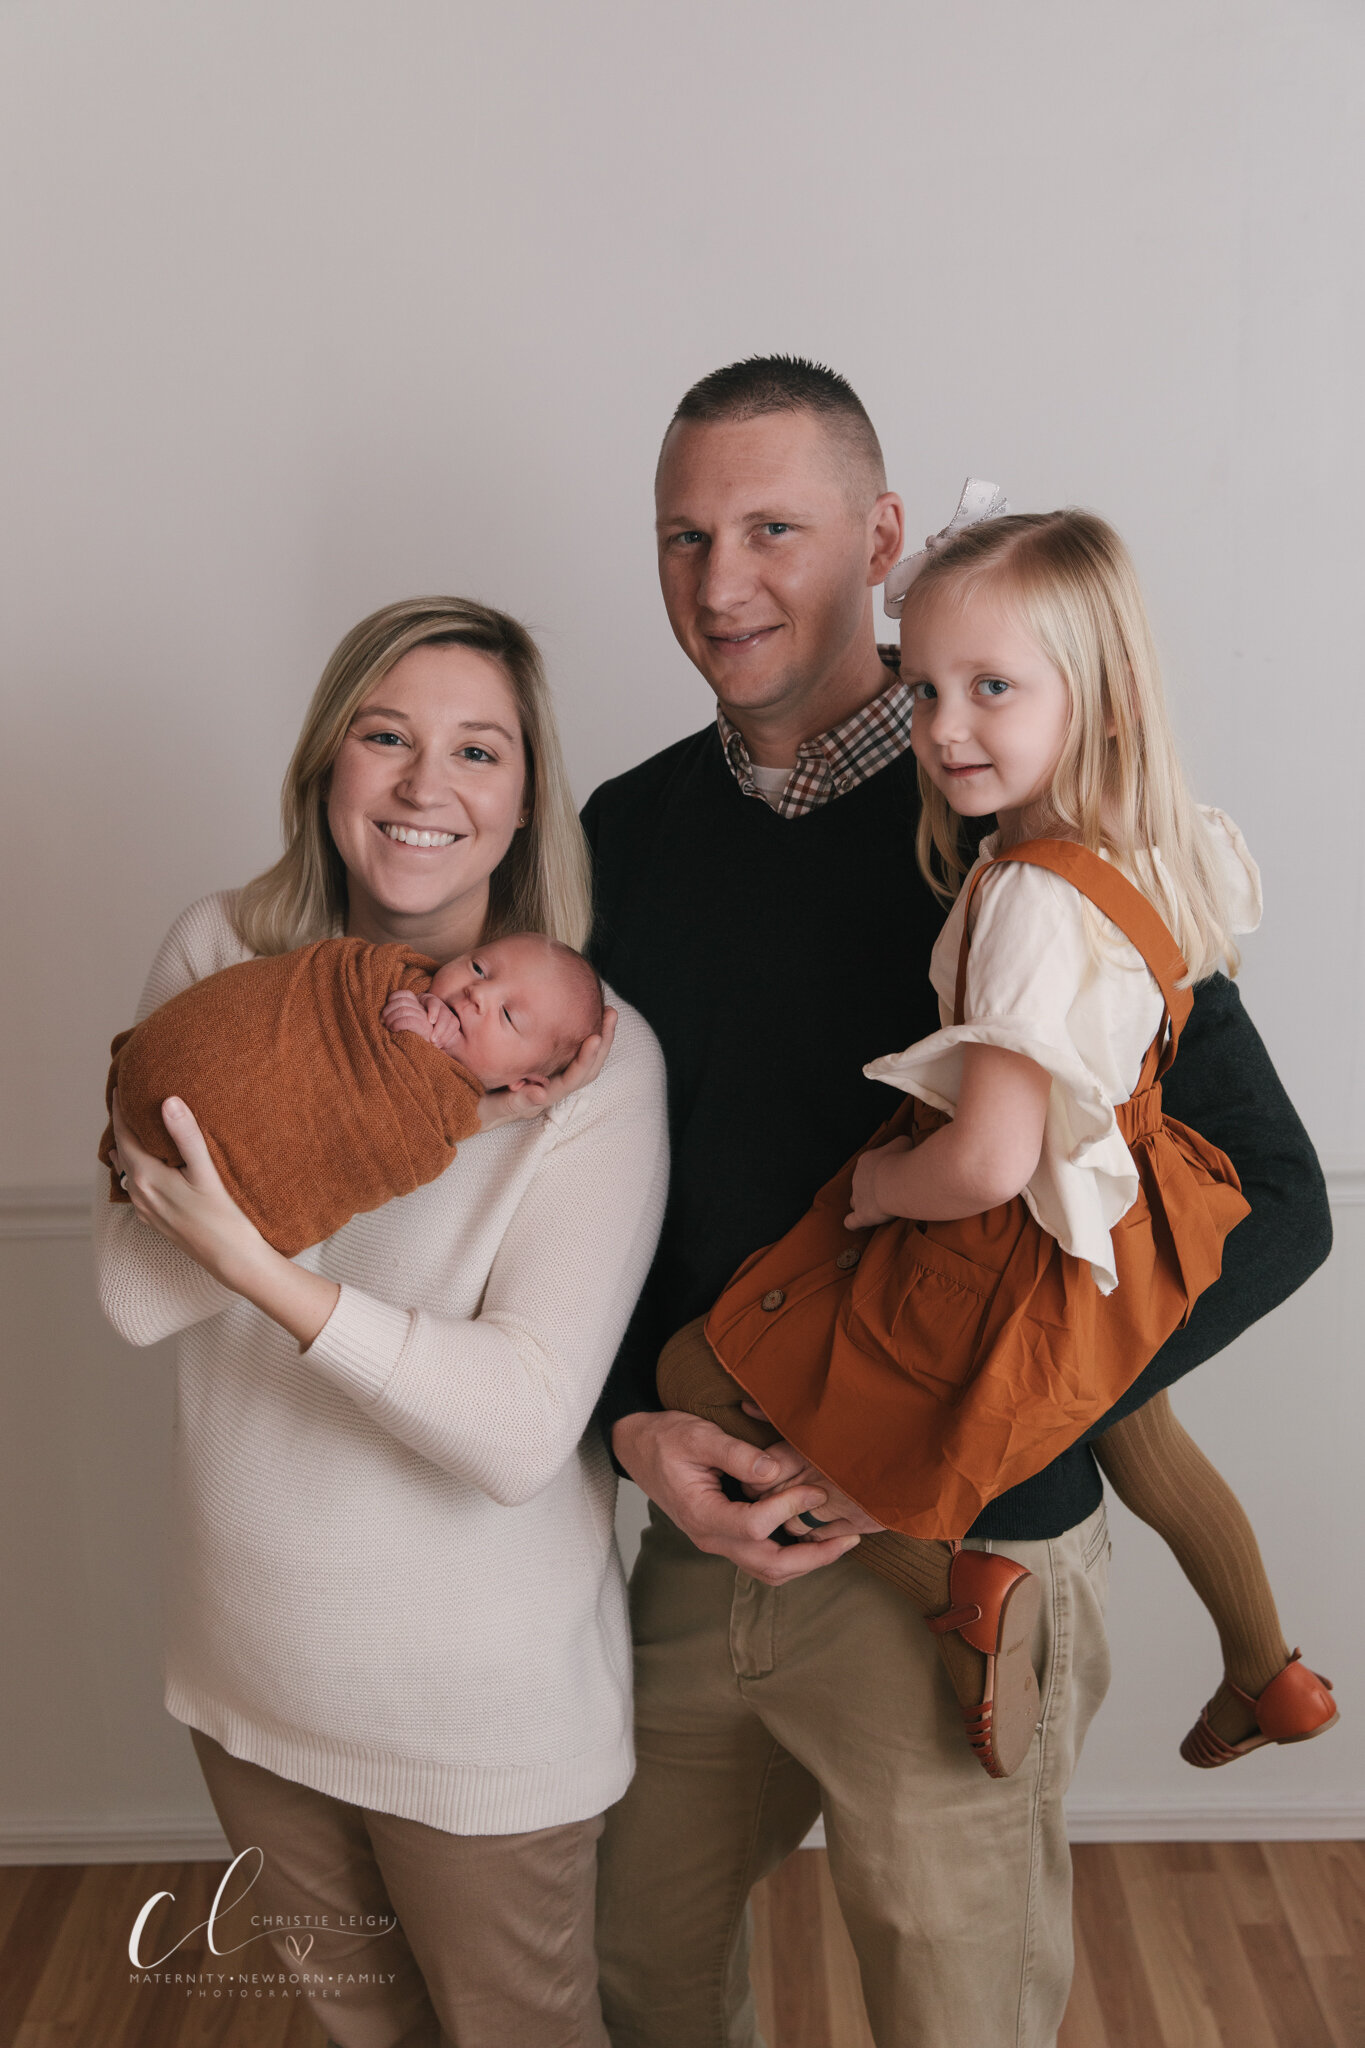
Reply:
x=955, y=1617
x=1205, y=1748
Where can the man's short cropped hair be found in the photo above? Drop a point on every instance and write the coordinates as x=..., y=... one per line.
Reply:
x=763, y=384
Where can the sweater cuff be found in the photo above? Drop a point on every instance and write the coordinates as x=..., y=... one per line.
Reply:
x=359, y=1345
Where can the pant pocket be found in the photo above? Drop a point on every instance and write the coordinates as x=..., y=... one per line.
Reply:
x=1098, y=1545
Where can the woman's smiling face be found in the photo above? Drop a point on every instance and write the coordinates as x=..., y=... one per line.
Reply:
x=425, y=796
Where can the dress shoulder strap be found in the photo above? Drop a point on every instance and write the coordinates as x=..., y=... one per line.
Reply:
x=1125, y=906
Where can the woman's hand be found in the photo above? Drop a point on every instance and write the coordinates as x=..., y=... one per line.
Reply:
x=190, y=1206
x=867, y=1209
x=515, y=1105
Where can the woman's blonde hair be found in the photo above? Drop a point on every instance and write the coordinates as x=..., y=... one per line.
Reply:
x=1124, y=793
x=542, y=883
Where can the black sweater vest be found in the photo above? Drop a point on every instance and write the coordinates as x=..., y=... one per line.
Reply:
x=773, y=957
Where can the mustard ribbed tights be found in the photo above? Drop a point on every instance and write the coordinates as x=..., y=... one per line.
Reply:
x=1161, y=1475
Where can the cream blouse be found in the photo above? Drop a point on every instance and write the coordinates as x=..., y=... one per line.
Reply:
x=1050, y=977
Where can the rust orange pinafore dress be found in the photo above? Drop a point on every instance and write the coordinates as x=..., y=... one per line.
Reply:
x=927, y=1367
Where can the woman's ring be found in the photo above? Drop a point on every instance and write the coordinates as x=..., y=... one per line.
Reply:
x=812, y=1521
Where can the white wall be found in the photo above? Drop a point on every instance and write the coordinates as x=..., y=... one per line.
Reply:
x=316, y=304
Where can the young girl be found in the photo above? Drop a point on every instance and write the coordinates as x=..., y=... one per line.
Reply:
x=1038, y=701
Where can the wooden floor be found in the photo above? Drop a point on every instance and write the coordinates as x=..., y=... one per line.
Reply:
x=1178, y=1945
x=1229, y=1945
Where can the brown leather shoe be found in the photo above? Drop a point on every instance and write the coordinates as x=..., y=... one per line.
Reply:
x=1296, y=1705
x=994, y=1606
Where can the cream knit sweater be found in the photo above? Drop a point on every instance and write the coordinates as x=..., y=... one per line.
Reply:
x=395, y=1578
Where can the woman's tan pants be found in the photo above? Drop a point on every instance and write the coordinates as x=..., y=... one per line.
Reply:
x=493, y=1944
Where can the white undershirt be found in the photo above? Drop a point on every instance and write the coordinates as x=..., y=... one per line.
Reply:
x=769, y=782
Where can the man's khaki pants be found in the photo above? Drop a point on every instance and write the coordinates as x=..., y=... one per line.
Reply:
x=757, y=1708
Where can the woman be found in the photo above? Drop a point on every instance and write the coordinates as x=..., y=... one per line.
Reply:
x=397, y=1624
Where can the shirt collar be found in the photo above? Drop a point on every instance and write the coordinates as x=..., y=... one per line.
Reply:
x=834, y=762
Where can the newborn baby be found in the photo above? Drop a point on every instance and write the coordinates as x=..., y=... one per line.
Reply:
x=329, y=1080
x=515, y=1011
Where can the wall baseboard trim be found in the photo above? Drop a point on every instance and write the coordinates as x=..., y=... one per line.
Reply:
x=1345, y=1186
x=172, y=1838
x=1183, y=1820
x=65, y=1211
x=125, y=1838
x=1180, y=1820
x=45, y=1212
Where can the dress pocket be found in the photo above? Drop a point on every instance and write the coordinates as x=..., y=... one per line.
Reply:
x=921, y=1305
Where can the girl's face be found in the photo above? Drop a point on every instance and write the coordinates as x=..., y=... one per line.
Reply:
x=425, y=796
x=991, y=710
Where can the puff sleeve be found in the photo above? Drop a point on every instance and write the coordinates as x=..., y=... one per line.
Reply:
x=1037, y=984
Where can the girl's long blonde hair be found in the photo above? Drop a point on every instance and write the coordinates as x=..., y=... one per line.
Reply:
x=542, y=883
x=1125, y=795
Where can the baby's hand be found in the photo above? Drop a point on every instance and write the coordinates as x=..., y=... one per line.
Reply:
x=405, y=1011
x=443, y=1026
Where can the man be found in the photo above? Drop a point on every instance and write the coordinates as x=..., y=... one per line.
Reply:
x=759, y=901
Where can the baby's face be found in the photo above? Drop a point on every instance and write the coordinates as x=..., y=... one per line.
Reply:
x=510, y=1001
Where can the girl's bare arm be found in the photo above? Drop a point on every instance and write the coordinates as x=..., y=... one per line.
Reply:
x=986, y=1154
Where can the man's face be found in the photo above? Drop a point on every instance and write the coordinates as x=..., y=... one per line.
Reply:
x=766, y=556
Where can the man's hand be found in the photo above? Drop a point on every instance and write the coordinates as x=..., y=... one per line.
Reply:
x=840, y=1515
x=678, y=1460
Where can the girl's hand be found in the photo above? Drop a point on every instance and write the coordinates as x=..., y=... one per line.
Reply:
x=189, y=1205
x=867, y=1210
x=515, y=1105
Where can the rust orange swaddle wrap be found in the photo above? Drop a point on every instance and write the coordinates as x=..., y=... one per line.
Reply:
x=928, y=1367
x=313, y=1110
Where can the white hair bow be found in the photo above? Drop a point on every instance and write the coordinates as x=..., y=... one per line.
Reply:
x=978, y=501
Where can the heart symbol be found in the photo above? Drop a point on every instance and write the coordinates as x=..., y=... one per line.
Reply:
x=298, y=1949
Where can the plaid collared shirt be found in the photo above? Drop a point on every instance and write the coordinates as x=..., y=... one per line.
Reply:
x=836, y=761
